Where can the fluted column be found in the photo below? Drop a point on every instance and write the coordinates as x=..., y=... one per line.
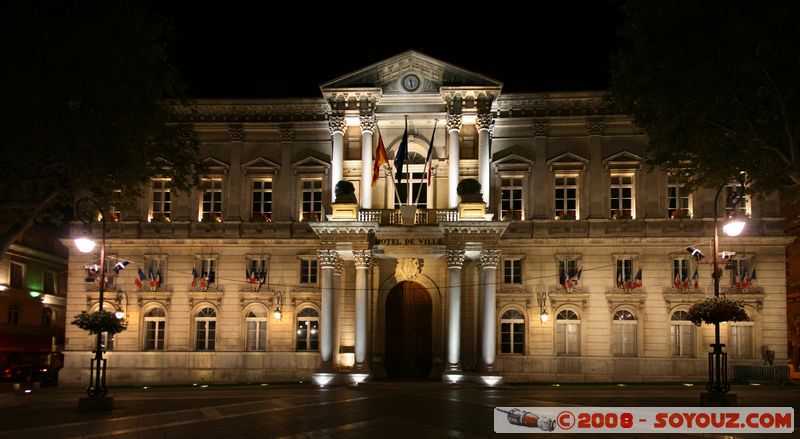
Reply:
x=327, y=263
x=454, y=143
x=484, y=124
x=489, y=261
x=337, y=126
x=598, y=187
x=455, y=260
x=336, y=327
x=362, y=260
x=367, y=128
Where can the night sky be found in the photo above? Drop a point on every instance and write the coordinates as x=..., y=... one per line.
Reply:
x=256, y=49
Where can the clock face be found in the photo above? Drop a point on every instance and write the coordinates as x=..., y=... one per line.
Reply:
x=411, y=82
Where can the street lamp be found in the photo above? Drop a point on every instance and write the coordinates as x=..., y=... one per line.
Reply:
x=86, y=209
x=718, y=360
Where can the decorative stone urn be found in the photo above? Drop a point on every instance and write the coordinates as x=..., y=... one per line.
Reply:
x=471, y=207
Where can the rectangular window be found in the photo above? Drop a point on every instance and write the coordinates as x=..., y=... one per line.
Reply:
x=308, y=271
x=624, y=338
x=206, y=335
x=565, y=197
x=680, y=273
x=567, y=337
x=154, y=335
x=741, y=339
x=312, y=200
x=17, y=275
x=742, y=273
x=211, y=202
x=678, y=201
x=512, y=338
x=49, y=282
x=258, y=268
x=742, y=208
x=622, y=196
x=567, y=267
x=208, y=269
x=262, y=200
x=511, y=199
x=512, y=271
x=418, y=185
x=256, y=334
x=155, y=271
x=624, y=272
x=682, y=338
x=161, y=207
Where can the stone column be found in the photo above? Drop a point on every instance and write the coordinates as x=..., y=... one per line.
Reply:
x=233, y=182
x=367, y=128
x=327, y=263
x=484, y=123
x=455, y=260
x=598, y=190
x=454, y=143
x=284, y=208
x=362, y=260
x=489, y=261
x=542, y=188
x=338, y=126
x=336, y=328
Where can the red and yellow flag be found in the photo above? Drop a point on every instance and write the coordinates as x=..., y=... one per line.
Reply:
x=380, y=160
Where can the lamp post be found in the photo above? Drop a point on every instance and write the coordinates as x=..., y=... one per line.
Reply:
x=718, y=360
x=86, y=210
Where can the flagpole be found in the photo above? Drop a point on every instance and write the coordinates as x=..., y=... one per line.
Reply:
x=427, y=162
x=391, y=174
x=408, y=169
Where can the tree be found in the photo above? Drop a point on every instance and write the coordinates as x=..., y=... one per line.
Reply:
x=714, y=85
x=84, y=108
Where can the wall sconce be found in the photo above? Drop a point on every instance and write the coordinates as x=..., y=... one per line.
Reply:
x=277, y=314
x=543, y=315
x=121, y=314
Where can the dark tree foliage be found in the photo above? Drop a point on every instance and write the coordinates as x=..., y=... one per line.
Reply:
x=715, y=86
x=84, y=108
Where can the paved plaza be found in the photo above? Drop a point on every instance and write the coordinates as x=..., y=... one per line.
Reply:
x=393, y=409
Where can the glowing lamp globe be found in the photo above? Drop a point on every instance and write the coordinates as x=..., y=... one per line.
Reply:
x=85, y=245
x=733, y=227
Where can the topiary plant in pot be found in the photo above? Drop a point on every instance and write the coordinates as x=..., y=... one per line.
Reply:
x=99, y=321
x=469, y=190
x=345, y=192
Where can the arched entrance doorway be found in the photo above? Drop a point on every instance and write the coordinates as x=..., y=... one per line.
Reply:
x=409, y=313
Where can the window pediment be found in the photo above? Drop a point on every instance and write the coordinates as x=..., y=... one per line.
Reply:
x=513, y=162
x=623, y=161
x=567, y=162
x=310, y=165
x=261, y=166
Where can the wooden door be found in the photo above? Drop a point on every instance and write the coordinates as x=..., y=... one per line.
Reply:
x=408, y=331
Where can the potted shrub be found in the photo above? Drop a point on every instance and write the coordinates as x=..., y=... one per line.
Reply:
x=345, y=208
x=717, y=309
x=471, y=207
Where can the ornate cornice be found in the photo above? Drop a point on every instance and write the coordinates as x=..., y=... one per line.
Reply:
x=287, y=133
x=337, y=124
x=455, y=258
x=462, y=232
x=236, y=132
x=453, y=122
x=343, y=227
x=489, y=258
x=231, y=111
x=362, y=258
x=328, y=258
x=368, y=124
x=554, y=104
x=484, y=121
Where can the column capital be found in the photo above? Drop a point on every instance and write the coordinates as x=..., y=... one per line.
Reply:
x=454, y=122
x=337, y=124
x=484, y=122
x=541, y=127
x=362, y=258
x=327, y=258
x=596, y=126
x=489, y=258
x=368, y=123
x=287, y=133
x=455, y=258
x=236, y=132
x=339, y=269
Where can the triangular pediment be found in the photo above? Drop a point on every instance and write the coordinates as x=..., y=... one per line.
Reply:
x=432, y=73
x=260, y=165
x=216, y=166
x=311, y=162
x=513, y=162
x=623, y=160
x=567, y=161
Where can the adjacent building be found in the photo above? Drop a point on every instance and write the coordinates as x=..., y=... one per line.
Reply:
x=259, y=276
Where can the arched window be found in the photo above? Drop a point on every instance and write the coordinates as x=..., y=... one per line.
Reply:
x=740, y=339
x=47, y=317
x=256, y=322
x=681, y=335
x=512, y=332
x=206, y=328
x=308, y=330
x=154, y=327
x=568, y=333
x=623, y=343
